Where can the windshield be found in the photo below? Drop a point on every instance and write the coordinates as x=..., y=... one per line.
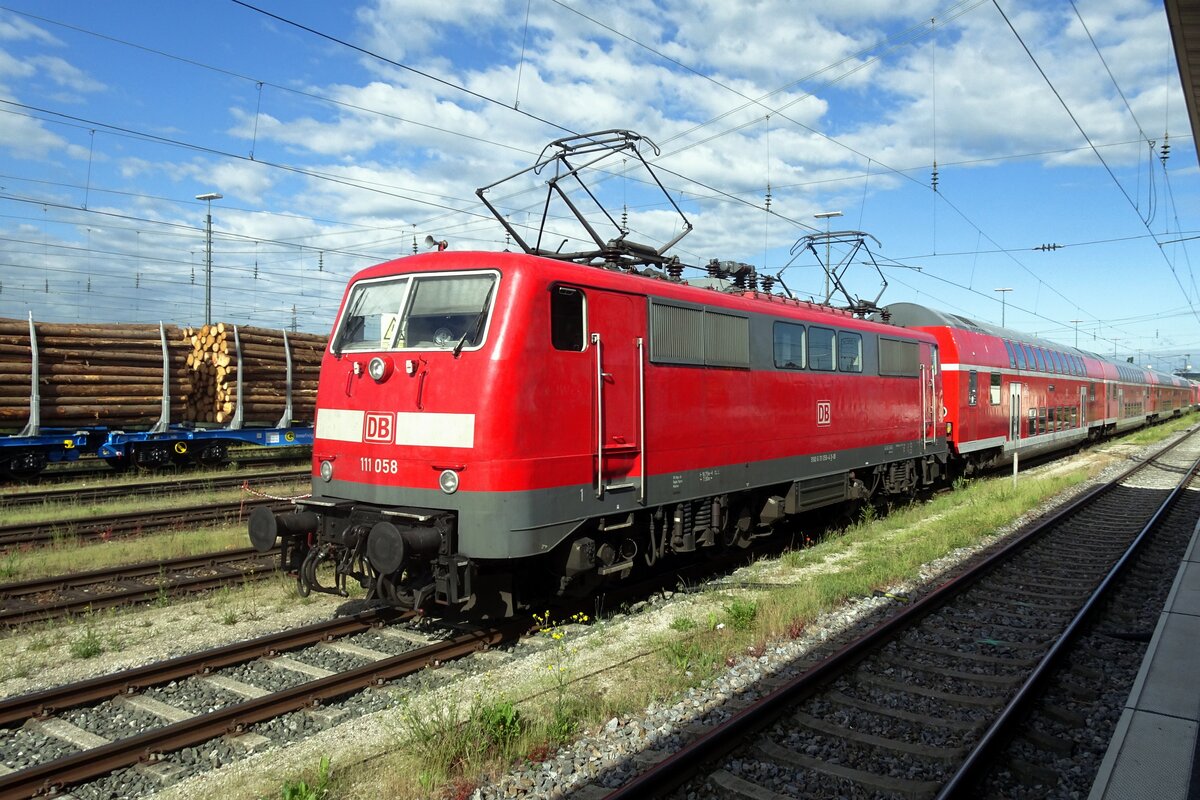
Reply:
x=424, y=312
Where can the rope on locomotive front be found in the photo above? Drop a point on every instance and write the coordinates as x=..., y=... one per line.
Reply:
x=245, y=487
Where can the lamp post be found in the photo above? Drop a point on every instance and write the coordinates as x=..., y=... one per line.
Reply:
x=208, y=198
x=1002, y=292
x=1076, y=321
x=827, y=215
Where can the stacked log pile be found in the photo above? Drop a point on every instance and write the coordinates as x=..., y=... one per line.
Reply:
x=91, y=374
x=213, y=361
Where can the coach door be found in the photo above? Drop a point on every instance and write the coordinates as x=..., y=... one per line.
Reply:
x=1083, y=419
x=617, y=336
x=1014, y=411
x=931, y=400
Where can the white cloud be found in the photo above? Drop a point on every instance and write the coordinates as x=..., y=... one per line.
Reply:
x=65, y=74
x=15, y=28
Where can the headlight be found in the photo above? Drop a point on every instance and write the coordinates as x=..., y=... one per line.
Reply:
x=326, y=470
x=379, y=368
x=448, y=480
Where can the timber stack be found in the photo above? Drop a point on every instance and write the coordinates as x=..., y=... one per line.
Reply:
x=213, y=361
x=91, y=374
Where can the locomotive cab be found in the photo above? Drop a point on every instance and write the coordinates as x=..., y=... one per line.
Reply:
x=402, y=380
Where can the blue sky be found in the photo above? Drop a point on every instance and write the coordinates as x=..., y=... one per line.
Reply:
x=113, y=116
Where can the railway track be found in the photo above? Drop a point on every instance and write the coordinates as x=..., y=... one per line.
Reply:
x=90, y=467
x=114, y=526
x=924, y=705
x=81, y=592
x=152, y=488
x=156, y=698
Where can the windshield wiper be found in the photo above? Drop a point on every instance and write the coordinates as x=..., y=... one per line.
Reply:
x=473, y=330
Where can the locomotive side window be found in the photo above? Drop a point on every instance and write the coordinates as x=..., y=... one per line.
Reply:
x=788, y=345
x=899, y=358
x=850, y=352
x=566, y=318
x=994, y=389
x=821, y=353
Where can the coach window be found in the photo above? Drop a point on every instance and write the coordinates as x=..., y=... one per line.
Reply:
x=1030, y=361
x=1020, y=356
x=1041, y=359
x=566, y=318
x=1012, y=354
x=994, y=389
x=789, y=345
x=972, y=388
x=850, y=351
x=1057, y=361
x=821, y=349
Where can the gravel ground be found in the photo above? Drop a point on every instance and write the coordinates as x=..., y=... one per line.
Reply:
x=373, y=727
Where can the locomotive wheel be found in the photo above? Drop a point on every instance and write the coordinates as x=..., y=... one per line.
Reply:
x=389, y=594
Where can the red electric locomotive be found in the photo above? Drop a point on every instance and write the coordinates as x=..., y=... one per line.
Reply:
x=1009, y=393
x=504, y=420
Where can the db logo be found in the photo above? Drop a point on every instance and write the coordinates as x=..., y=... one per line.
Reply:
x=378, y=428
x=824, y=415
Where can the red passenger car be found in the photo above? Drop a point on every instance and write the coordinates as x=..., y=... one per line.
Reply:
x=495, y=422
x=1010, y=393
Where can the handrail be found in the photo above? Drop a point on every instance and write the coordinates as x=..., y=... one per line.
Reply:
x=599, y=419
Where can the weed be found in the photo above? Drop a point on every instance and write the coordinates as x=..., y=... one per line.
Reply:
x=303, y=790
x=500, y=723
x=566, y=711
x=230, y=617
x=742, y=613
x=683, y=624
x=87, y=646
x=39, y=644
x=10, y=567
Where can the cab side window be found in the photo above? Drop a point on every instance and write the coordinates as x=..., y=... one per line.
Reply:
x=567, y=318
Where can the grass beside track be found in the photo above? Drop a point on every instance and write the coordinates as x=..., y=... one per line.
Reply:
x=68, y=510
x=70, y=556
x=448, y=743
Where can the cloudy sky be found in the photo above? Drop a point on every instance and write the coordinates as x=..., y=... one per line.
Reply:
x=338, y=133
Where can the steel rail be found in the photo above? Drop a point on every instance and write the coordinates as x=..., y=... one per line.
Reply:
x=91, y=494
x=104, y=526
x=673, y=771
x=91, y=764
x=20, y=602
